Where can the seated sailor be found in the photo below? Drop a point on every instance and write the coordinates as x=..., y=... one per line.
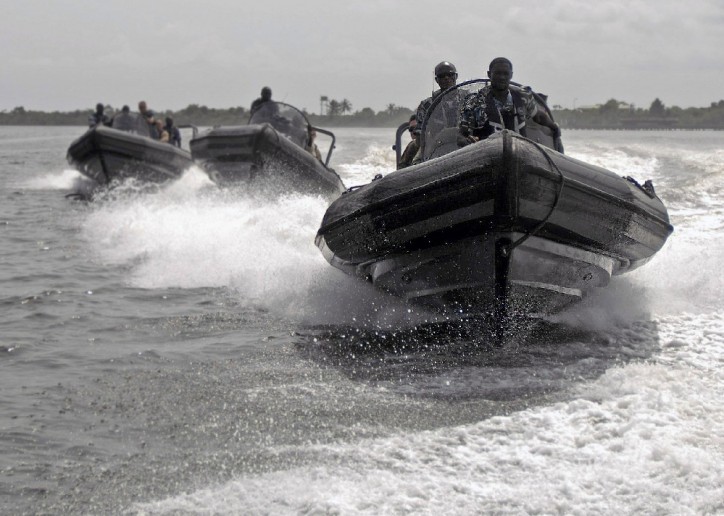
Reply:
x=440, y=111
x=500, y=105
x=311, y=145
x=163, y=134
x=445, y=76
x=413, y=147
x=174, y=134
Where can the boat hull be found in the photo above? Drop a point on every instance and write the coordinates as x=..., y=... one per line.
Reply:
x=502, y=227
x=106, y=155
x=259, y=156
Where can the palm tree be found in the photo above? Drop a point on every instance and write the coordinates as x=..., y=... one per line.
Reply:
x=333, y=108
x=391, y=108
x=345, y=106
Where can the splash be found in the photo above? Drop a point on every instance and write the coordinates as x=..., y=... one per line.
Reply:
x=377, y=160
x=622, y=161
x=190, y=234
x=67, y=179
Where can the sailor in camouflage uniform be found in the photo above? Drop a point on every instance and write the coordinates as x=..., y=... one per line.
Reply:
x=411, y=150
x=500, y=105
x=446, y=77
x=446, y=110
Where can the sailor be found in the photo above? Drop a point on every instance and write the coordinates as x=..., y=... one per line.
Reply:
x=266, y=95
x=163, y=134
x=150, y=118
x=446, y=76
x=499, y=105
x=124, y=121
x=311, y=146
x=446, y=111
x=98, y=117
x=173, y=132
x=409, y=153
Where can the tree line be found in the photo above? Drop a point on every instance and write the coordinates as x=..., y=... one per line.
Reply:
x=335, y=114
x=613, y=114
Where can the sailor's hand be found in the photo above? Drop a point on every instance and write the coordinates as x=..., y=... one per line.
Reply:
x=467, y=140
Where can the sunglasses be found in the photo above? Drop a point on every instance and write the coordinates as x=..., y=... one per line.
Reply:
x=412, y=129
x=447, y=75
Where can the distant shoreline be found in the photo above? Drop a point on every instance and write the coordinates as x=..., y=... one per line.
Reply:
x=394, y=127
x=613, y=115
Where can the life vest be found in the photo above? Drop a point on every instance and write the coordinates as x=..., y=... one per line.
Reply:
x=511, y=117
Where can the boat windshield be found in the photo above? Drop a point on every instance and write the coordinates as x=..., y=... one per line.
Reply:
x=439, y=132
x=131, y=123
x=286, y=119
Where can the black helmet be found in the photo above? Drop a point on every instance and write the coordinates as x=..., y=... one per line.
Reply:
x=445, y=67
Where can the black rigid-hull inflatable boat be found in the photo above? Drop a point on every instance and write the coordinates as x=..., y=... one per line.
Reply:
x=270, y=153
x=501, y=228
x=124, y=150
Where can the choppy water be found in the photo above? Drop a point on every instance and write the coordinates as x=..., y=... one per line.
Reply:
x=189, y=351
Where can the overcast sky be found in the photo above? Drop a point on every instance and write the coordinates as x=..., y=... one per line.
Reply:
x=71, y=54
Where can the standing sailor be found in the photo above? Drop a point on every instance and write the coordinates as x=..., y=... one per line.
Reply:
x=98, y=117
x=266, y=95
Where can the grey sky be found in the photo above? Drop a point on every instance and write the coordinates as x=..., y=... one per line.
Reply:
x=71, y=54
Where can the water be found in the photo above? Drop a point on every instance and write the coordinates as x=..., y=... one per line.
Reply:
x=189, y=351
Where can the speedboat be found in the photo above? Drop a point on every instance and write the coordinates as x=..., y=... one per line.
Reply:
x=125, y=149
x=503, y=229
x=270, y=153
